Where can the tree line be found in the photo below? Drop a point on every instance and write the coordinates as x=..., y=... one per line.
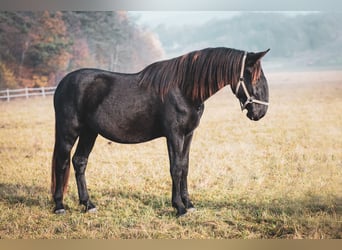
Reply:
x=39, y=48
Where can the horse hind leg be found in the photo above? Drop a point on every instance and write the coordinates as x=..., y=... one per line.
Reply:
x=80, y=159
x=60, y=169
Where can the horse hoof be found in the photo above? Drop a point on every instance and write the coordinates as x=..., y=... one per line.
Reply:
x=60, y=211
x=92, y=210
x=187, y=212
x=191, y=210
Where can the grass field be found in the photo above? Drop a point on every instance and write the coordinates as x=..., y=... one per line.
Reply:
x=280, y=177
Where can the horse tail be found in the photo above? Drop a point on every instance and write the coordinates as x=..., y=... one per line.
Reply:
x=53, y=171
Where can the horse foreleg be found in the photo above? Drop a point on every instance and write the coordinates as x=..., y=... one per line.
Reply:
x=80, y=160
x=185, y=169
x=175, y=148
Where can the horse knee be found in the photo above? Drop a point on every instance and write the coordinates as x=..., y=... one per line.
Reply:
x=176, y=173
x=80, y=164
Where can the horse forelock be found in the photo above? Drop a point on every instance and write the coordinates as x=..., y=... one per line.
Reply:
x=256, y=72
x=199, y=74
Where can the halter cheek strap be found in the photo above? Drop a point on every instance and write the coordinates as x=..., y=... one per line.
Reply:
x=241, y=82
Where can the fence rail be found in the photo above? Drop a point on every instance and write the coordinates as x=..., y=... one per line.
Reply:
x=9, y=94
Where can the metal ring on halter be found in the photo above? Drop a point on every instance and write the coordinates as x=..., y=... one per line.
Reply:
x=241, y=82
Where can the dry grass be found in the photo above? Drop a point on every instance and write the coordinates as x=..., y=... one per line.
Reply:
x=280, y=177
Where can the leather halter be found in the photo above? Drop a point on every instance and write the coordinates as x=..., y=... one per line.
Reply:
x=250, y=99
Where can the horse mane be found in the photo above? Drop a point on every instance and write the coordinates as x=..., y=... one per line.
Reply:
x=199, y=74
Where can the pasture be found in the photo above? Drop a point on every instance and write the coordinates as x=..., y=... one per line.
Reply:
x=280, y=177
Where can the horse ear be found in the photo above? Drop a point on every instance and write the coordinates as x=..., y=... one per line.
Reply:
x=252, y=57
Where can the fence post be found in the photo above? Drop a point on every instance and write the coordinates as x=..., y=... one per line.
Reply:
x=26, y=93
x=8, y=95
x=43, y=91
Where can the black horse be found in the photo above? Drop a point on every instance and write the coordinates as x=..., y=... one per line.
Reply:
x=163, y=100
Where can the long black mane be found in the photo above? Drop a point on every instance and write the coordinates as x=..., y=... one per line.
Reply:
x=198, y=74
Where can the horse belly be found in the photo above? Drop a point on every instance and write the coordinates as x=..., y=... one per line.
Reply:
x=134, y=121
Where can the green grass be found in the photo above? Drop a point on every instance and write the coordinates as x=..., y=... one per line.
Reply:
x=280, y=177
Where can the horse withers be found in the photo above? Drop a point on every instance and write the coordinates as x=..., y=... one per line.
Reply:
x=166, y=99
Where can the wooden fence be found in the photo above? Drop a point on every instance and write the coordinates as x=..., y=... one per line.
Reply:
x=10, y=94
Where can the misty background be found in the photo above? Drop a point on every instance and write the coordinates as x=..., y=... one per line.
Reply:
x=39, y=48
x=298, y=40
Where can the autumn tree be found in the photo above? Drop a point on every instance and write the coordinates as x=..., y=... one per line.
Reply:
x=48, y=47
x=39, y=48
x=7, y=78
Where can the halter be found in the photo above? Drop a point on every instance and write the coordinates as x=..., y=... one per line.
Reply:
x=250, y=99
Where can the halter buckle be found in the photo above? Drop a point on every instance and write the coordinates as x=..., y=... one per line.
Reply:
x=248, y=101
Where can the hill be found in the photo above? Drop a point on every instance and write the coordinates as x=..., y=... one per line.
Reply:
x=297, y=41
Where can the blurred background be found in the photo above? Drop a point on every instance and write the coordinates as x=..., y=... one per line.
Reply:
x=38, y=48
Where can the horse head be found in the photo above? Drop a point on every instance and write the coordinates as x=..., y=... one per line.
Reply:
x=252, y=87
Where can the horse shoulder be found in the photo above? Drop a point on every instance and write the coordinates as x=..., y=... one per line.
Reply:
x=182, y=114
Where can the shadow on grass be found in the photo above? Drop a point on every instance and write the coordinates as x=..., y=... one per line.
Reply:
x=36, y=195
x=29, y=196
x=160, y=204
x=288, y=206
x=310, y=217
x=285, y=206
x=278, y=218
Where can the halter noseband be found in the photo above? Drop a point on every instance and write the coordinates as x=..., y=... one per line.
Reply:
x=250, y=99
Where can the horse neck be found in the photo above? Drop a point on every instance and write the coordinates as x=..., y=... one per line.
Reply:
x=199, y=74
x=209, y=74
x=201, y=93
